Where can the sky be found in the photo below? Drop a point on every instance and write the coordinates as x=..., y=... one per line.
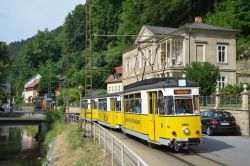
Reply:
x=21, y=19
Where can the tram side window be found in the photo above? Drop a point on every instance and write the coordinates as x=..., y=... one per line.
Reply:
x=102, y=104
x=94, y=104
x=128, y=105
x=170, y=105
x=196, y=100
x=84, y=104
x=132, y=103
x=161, y=104
x=137, y=103
x=117, y=105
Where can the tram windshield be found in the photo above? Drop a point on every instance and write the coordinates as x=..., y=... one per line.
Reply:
x=183, y=106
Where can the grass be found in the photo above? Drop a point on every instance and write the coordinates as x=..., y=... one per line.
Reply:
x=57, y=128
x=70, y=149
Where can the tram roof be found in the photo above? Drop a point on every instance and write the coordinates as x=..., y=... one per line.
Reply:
x=153, y=83
x=107, y=95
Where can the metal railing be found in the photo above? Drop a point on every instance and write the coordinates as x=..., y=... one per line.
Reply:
x=73, y=118
x=226, y=101
x=119, y=152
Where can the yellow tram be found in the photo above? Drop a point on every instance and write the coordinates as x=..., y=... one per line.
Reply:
x=163, y=111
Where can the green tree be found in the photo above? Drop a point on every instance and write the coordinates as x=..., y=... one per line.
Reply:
x=74, y=29
x=3, y=59
x=50, y=80
x=3, y=67
x=205, y=74
x=105, y=20
x=233, y=14
x=43, y=48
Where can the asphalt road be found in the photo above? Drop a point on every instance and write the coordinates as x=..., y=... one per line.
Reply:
x=229, y=150
x=217, y=150
x=162, y=156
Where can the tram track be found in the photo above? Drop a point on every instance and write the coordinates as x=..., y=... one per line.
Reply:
x=199, y=158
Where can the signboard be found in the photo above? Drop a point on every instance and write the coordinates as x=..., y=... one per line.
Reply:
x=182, y=91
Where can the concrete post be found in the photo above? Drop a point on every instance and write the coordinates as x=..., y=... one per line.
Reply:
x=244, y=95
x=217, y=98
x=245, y=100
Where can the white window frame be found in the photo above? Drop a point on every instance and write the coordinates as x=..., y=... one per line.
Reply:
x=225, y=58
x=220, y=83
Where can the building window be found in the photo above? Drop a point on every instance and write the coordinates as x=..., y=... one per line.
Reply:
x=127, y=66
x=109, y=89
x=118, y=88
x=221, y=82
x=177, y=52
x=222, y=53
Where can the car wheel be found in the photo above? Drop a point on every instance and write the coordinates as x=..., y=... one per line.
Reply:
x=209, y=131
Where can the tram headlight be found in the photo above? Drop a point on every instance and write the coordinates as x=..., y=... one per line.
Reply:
x=186, y=131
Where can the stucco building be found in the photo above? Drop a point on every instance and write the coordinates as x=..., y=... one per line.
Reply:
x=114, y=81
x=164, y=51
x=31, y=89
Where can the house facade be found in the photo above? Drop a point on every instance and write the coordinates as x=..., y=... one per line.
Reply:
x=164, y=52
x=114, y=81
x=31, y=89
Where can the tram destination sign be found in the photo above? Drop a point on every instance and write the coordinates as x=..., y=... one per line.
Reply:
x=182, y=91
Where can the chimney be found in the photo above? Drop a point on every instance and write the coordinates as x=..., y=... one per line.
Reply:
x=198, y=19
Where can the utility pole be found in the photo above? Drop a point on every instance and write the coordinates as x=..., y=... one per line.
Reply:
x=88, y=69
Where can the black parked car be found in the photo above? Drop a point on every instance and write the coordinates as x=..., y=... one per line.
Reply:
x=218, y=122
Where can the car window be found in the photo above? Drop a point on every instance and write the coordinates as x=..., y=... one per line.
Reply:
x=204, y=114
x=209, y=115
x=222, y=115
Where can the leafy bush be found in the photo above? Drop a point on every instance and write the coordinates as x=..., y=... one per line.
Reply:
x=205, y=74
x=233, y=89
x=54, y=115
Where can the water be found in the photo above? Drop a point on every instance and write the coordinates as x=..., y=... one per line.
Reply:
x=18, y=147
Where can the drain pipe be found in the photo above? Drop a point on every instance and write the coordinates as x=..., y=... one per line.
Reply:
x=190, y=29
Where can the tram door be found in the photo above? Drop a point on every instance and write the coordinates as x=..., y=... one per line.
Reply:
x=152, y=112
x=112, y=113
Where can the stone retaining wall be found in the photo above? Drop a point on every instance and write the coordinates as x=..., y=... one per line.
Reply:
x=242, y=120
x=73, y=110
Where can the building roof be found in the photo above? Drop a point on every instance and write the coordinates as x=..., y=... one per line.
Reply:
x=207, y=27
x=33, y=84
x=160, y=30
x=117, y=70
